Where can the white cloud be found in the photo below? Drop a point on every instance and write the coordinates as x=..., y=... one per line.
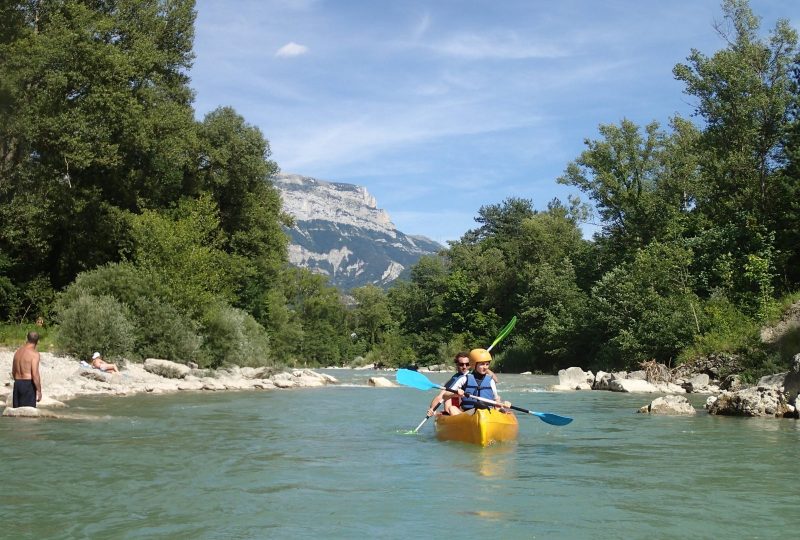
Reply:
x=292, y=49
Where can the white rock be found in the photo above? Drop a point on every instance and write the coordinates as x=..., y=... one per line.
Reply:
x=380, y=382
x=165, y=368
x=669, y=405
x=27, y=412
x=631, y=385
x=574, y=376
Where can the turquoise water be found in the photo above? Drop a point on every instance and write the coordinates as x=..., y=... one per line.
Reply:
x=335, y=463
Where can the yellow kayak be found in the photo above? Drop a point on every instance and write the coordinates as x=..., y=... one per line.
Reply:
x=484, y=427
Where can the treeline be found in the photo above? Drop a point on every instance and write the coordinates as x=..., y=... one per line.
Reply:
x=136, y=229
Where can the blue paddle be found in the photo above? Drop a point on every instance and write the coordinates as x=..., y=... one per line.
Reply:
x=503, y=333
x=406, y=377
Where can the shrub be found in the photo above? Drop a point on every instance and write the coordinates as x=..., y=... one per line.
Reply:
x=232, y=336
x=163, y=332
x=123, y=281
x=727, y=330
x=94, y=323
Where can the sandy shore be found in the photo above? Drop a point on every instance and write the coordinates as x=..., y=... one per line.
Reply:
x=64, y=378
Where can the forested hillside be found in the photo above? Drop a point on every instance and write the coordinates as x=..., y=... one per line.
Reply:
x=132, y=227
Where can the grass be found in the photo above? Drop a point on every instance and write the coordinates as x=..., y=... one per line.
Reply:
x=14, y=335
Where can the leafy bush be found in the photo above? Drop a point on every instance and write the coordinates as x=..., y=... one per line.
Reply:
x=95, y=323
x=163, y=332
x=233, y=337
x=727, y=330
x=123, y=281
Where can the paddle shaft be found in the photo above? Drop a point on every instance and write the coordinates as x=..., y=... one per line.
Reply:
x=486, y=400
x=427, y=417
x=434, y=410
x=550, y=418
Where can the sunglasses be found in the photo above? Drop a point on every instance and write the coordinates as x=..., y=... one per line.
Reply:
x=462, y=364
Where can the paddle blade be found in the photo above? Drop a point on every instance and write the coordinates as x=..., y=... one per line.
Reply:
x=504, y=332
x=553, y=419
x=407, y=377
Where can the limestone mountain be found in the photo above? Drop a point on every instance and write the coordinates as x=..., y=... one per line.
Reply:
x=340, y=232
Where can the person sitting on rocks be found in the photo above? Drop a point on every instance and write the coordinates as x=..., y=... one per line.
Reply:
x=102, y=365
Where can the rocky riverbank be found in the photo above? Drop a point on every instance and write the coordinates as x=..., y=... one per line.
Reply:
x=772, y=396
x=65, y=378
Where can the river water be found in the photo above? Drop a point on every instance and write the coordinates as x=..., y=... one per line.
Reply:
x=337, y=462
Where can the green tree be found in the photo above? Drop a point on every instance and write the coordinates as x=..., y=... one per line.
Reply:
x=96, y=118
x=745, y=95
x=371, y=313
x=183, y=253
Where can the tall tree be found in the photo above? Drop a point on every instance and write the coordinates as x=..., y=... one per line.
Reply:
x=745, y=94
x=97, y=120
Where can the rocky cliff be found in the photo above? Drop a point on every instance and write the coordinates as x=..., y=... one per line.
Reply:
x=340, y=232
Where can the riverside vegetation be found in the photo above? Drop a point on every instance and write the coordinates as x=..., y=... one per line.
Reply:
x=132, y=228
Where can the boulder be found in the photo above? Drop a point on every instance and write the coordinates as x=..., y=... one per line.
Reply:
x=791, y=383
x=699, y=381
x=283, y=380
x=193, y=384
x=263, y=384
x=732, y=383
x=631, y=385
x=669, y=405
x=671, y=388
x=307, y=377
x=772, y=381
x=167, y=369
x=574, y=378
x=601, y=380
x=95, y=375
x=640, y=374
x=380, y=382
x=27, y=412
x=754, y=401
x=213, y=385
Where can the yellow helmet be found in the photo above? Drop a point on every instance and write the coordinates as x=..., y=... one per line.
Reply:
x=479, y=355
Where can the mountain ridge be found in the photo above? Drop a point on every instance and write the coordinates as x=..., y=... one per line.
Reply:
x=340, y=232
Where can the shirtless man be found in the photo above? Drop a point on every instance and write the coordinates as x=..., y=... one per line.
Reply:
x=25, y=371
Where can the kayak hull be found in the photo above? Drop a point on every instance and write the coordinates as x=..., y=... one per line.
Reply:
x=483, y=427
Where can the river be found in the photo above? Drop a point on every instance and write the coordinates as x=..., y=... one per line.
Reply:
x=338, y=462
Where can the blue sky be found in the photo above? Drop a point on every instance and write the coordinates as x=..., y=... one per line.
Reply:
x=440, y=107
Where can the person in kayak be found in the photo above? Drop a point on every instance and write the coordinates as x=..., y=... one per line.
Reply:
x=452, y=401
x=477, y=383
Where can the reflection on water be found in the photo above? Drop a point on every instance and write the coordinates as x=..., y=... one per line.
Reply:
x=498, y=460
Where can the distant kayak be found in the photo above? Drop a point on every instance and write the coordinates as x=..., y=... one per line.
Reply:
x=484, y=427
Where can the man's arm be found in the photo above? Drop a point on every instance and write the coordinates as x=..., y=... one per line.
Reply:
x=436, y=400
x=37, y=380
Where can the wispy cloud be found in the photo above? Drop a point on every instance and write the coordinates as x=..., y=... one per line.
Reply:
x=422, y=26
x=291, y=49
x=497, y=45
